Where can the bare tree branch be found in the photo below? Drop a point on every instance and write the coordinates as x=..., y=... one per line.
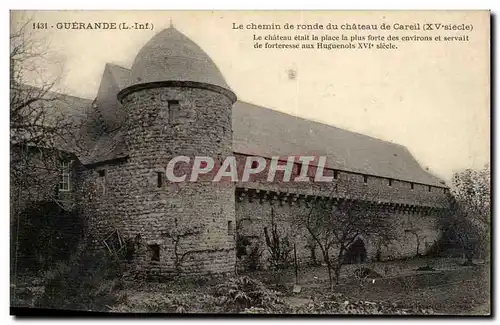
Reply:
x=337, y=226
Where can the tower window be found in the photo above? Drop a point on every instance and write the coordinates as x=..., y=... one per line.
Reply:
x=159, y=179
x=365, y=179
x=155, y=252
x=299, y=169
x=390, y=182
x=174, y=109
x=412, y=186
x=230, y=228
x=335, y=174
x=429, y=188
x=64, y=183
x=102, y=180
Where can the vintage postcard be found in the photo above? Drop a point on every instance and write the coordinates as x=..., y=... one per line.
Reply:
x=262, y=162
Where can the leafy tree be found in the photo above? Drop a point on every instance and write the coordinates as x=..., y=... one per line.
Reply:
x=468, y=218
x=472, y=190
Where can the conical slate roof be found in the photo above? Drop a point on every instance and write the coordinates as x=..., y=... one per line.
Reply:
x=171, y=56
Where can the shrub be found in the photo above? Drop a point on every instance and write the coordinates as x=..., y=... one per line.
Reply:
x=364, y=272
x=157, y=303
x=238, y=294
x=86, y=282
x=46, y=235
x=242, y=242
x=253, y=260
x=247, y=253
x=279, y=247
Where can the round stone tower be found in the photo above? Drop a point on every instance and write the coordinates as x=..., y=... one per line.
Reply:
x=177, y=104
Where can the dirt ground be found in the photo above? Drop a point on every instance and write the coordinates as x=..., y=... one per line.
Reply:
x=449, y=289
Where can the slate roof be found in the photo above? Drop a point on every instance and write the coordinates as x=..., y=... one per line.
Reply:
x=256, y=130
x=77, y=110
x=107, y=147
x=265, y=132
x=114, y=79
x=120, y=75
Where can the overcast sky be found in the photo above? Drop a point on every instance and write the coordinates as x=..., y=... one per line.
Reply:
x=431, y=97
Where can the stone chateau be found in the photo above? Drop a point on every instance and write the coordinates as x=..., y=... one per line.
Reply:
x=174, y=101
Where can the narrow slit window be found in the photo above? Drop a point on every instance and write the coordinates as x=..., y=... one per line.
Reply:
x=102, y=180
x=230, y=228
x=173, y=111
x=390, y=182
x=429, y=188
x=159, y=179
x=365, y=179
x=155, y=252
x=412, y=186
x=335, y=174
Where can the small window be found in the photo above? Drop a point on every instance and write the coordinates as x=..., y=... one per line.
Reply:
x=429, y=188
x=365, y=179
x=335, y=174
x=155, y=252
x=173, y=104
x=64, y=183
x=412, y=186
x=230, y=228
x=255, y=164
x=102, y=180
x=174, y=109
x=390, y=182
x=159, y=179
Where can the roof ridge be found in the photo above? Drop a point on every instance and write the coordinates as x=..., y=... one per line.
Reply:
x=116, y=65
x=49, y=91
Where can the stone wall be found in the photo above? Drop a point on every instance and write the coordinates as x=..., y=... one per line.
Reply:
x=193, y=224
x=253, y=215
x=411, y=207
x=189, y=227
x=189, y=222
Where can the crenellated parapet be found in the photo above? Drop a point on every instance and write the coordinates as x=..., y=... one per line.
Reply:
x=281, y=198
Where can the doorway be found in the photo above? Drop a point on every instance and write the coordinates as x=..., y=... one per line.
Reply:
x=356, y=253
